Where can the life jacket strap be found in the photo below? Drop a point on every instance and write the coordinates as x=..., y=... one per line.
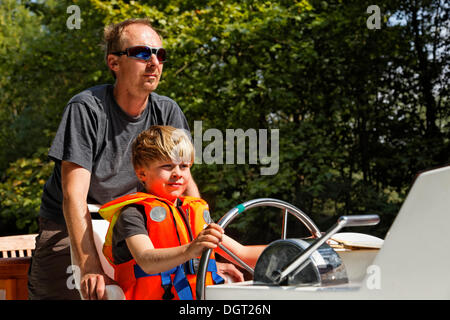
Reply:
x=180, y=282
x=212, y=267
x=191, y=267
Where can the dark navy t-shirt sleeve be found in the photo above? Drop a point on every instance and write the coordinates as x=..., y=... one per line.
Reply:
x=131, y=221
x=76, y=137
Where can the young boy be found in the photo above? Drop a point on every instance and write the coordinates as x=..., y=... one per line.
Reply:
x=155, y=238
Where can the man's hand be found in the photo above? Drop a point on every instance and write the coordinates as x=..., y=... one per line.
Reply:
x=228, y=270
x=93, y=286
x=192, y=189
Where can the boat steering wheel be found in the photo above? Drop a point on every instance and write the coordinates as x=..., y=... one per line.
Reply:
x=230, y=215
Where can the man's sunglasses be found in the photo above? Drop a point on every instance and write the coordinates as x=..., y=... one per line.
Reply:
x=143, y=53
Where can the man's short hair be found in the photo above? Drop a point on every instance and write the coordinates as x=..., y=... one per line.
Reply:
x=112, y=36
x=162, y=143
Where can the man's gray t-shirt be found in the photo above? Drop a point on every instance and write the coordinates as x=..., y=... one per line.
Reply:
x=96, y=134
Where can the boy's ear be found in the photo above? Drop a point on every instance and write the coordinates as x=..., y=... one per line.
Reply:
x=140, y=173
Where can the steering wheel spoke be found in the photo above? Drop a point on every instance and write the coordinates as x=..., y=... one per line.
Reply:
x=237, y=259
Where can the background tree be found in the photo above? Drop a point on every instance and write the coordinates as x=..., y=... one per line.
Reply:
x=360, y=111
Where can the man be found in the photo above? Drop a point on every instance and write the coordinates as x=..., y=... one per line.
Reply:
x=91, y=151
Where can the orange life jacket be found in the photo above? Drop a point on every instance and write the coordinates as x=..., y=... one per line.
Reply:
x=168, y=226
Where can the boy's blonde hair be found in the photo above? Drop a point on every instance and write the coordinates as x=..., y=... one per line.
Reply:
x=162, y=143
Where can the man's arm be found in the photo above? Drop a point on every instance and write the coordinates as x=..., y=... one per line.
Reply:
x=75, y=182
x=248, y=254
x=192, y=190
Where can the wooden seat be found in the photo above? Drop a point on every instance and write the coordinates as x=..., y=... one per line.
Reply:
x=15, y=258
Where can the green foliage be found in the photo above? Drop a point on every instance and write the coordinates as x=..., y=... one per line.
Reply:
x=360, y=111
x=21, y=191
x=18, y=29
x=44, y=65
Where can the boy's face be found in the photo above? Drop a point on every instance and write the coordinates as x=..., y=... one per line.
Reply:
x=165, y=179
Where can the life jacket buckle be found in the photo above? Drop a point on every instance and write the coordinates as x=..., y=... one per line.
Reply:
x=168, y=295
